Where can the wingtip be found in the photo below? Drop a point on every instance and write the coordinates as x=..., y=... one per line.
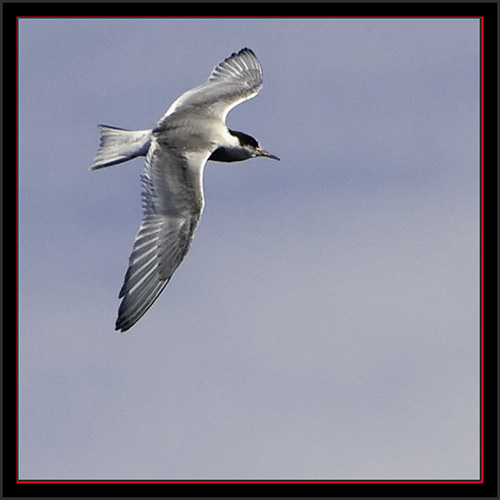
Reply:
x=246, y=49
x=122, y=325
x=242, y=52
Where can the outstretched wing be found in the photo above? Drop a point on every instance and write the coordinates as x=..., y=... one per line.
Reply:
x=172, y=201
x=232, y=81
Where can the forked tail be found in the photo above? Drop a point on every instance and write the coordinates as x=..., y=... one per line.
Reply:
x=119, y=145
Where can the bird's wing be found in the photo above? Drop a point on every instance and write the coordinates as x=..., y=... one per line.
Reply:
x=232, y=81
x=172, y=201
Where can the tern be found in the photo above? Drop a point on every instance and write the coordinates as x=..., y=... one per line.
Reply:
x=192, y=131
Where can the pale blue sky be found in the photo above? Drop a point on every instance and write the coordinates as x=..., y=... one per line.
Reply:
x=325, y=323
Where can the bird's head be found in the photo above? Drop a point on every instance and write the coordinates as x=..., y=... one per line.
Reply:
x=240, y=147
x=251, y=146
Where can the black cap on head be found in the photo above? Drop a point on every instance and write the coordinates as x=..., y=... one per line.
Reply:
x=245, y=139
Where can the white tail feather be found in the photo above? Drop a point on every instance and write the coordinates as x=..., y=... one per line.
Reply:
x=119, y=145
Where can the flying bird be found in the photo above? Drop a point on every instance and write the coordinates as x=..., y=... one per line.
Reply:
x=192, y=131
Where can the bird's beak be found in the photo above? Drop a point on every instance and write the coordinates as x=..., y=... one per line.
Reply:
x=262, y=152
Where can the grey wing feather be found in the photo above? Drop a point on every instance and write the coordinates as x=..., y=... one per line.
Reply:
x=242, y=67
x=172, y=205
x=232, y=81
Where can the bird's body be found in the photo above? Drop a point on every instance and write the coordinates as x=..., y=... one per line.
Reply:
x=192, y=131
